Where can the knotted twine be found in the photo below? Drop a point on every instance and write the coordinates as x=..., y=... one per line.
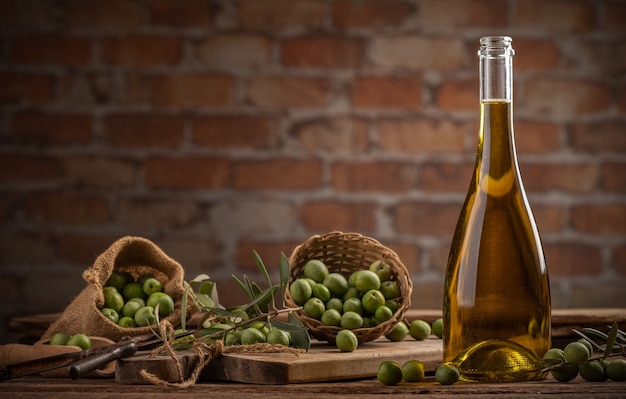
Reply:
x=204, y=354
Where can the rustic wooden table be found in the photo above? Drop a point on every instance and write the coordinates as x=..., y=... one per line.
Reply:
x=38, y=387
x=563, y=323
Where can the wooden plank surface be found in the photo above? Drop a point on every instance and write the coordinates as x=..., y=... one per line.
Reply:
x=323, y=362
x=65, y=388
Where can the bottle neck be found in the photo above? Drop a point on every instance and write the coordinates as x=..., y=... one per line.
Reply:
x=496, y=68
x=497, y=161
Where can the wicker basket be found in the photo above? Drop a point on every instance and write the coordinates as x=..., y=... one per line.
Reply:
x=346, y=253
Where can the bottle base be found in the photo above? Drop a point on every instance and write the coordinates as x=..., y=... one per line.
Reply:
x=498, y=361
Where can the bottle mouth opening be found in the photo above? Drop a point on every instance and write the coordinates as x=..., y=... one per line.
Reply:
x=495, y=46
x=495, y=41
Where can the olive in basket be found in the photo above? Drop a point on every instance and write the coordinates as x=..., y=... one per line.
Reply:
x=369, y=292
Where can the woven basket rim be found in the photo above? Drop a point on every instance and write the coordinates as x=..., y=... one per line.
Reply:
x=341, y=251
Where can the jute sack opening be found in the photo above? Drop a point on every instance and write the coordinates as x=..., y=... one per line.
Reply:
x=135, y=255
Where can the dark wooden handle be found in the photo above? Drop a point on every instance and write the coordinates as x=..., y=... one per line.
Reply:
x=83, y=366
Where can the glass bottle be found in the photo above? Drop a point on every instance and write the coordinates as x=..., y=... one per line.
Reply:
x=497, y=297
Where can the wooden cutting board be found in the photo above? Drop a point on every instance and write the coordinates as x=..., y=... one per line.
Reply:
x=323, y=362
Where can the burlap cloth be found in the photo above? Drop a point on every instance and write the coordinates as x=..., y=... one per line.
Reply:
x=135, y=255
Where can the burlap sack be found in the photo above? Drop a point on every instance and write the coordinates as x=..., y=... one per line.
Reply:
x=135, y=255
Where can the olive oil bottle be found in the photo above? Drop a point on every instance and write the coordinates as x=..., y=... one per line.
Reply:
x=497, y=297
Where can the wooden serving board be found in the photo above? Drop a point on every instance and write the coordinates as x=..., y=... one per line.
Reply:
x=323, y=362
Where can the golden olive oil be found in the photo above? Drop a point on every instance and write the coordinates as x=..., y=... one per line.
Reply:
x=497, y=296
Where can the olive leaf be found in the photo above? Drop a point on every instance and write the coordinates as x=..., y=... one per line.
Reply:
x=262, y=267
x=183, y=314
x=610, y=343
x=260, y=303
x=614, y=341
x=299, y=334
x=284, y=275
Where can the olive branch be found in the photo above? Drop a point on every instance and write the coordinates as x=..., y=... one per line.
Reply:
x=261, y=306
x=611, y=344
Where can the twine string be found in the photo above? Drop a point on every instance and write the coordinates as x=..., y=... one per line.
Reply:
x=203, y=354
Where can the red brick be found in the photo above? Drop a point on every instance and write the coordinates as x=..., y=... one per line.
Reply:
x=326, y=216
x=26, y=14
x=139, y=213
x=103, y=13
x=605, y=57
x=25, y=168
x=269, y=252
x=384, y=92
x=100, y=171
x=323, y=52
x=370, y=13
x=336, y=135
x=446, y=177
x=409, y=254
x=535, y=55
x=536, y=137
x=421, y=217
x=26, y=88
x=230, y=293
x=565, y=97
x=181, y=13
x=278, y=174
x=613, y=177
x=50, y=49
x=144, y=131
x=599, y=219
x=135, y=90
x=255, y=132
x=8, y=204
x=598, y=292
x=573, y=17
x=197, y=254
x=549, y=218
x=382, y=176
x=598, y=137
x=50, y=290
x=235, y=51
x=620, y=97
x=10, y=287
x=614, y=12
x=280, y=14
x=440, y=13
x=459, y=95
x=427, y=294
x=288, y=91
x=399, y=52
x=81, y=249
x=569, y=259
x=67, y=209
x=187, y=172
x=436, y=258
x=619, y=260
x=416, y=136
x=52, y=128
x=196, y=90
x=141, y=50
x=574, y=178
x=90, y=87
x=23, y=248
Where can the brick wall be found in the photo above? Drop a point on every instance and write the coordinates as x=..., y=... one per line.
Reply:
x=218, y=127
